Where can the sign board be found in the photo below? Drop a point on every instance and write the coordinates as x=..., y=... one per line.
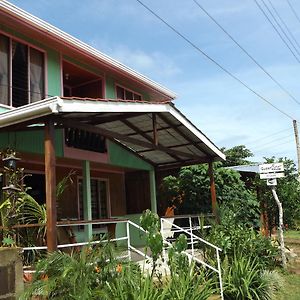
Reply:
x=272, y=181
x=271, y=168
x=271, y=175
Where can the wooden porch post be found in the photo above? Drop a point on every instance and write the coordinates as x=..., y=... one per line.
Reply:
x=50, y=176
x=153, y=191
x=213, y=190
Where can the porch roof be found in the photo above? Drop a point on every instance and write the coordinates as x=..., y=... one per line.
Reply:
x=156, y=132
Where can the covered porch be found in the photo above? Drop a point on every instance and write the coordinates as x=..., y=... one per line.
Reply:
x=156, y=134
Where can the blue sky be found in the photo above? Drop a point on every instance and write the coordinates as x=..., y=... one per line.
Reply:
x=222, y=108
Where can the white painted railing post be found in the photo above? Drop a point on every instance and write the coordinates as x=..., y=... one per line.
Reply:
x=220, y=274
x=128, y=240
x=192, y=239
x=162, y=234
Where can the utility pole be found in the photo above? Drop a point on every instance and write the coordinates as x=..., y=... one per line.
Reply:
x=297, y=145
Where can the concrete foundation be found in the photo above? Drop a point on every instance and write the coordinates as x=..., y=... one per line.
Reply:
x=11, y=273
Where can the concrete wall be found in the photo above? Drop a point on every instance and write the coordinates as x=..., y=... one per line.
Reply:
x=11, y=274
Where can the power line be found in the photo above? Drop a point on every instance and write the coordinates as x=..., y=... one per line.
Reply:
x=284, y=24
x=212, y=60
x=293, y=10
x=274, y=27
x=245, y=51
x=278, y=24
x=266, y=145
x=270, y=135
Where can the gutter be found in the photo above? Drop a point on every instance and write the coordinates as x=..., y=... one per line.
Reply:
x=30, y=111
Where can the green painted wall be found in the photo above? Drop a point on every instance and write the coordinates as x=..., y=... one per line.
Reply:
x=110, y=88
x=137, y=237
x=30, y=142
x=54, y=80
x=118, y=156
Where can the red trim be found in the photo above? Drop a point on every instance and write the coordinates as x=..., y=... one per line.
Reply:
x=116, y=100
x=85, y=155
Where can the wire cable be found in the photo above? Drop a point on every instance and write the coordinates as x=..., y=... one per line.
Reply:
x=293, y=10
x=280, y=27
x=284, y=24
x=274, y=27
x=266, y=145
x=213, y=60
x=245, y=51
x=268, y=136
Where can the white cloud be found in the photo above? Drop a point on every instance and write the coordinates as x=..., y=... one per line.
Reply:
x=155, y=65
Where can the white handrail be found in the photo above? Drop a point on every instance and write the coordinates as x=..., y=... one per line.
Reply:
x=192, y=256
x=193, y=235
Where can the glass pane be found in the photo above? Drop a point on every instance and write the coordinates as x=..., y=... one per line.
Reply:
x=129, y=95
x=103, y=199
x=19, y=74
x=4, y=70
x=37, y=85
x=120, y=93
x=137, y=97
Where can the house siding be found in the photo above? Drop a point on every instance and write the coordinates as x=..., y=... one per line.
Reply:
x=30, y=142
x=118, y=156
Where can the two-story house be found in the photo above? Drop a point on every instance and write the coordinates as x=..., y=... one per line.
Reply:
x=66, y=106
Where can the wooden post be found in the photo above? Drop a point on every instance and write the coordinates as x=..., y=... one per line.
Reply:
x=297, y=145
x=154, y=123
x=280, y=227
x=213, y=190
x=50, y=177
x=153, y=191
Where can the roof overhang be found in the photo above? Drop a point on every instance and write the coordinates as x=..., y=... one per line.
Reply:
x=156, y=132
x=58, y=38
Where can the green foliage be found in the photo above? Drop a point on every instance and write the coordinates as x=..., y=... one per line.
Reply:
x=242, y=240
x=150, y=222
x=191, y=285
x=244, y=279
x=236, y=156
x=193, y=184
x=95, y=273
x=76, y=276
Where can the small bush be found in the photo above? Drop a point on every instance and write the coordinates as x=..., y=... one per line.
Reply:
x=244, y=279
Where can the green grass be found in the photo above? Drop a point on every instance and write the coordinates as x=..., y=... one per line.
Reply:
x=292, y=234
x=291, y=288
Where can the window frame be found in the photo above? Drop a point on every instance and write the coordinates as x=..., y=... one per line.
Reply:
x=29, y=45
x=127, y=90
x=108, y=203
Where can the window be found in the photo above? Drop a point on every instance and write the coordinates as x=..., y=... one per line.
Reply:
x=99, y=199
x=125, y=94
x=22, y=73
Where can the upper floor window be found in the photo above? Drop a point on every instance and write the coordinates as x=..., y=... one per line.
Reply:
x=126, y=94
x=22, y=73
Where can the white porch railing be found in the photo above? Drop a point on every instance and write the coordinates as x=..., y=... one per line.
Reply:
x=165, y=223
x=193, y=239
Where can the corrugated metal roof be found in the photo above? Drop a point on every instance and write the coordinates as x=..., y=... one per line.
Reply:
x=129, y=123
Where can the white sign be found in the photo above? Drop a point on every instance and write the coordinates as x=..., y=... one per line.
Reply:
x=271, y=175
x=271, y=168
x=272, y=181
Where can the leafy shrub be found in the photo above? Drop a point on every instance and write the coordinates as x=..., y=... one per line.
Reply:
x=244, y=279
x=244, y=241
x=76, y=276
